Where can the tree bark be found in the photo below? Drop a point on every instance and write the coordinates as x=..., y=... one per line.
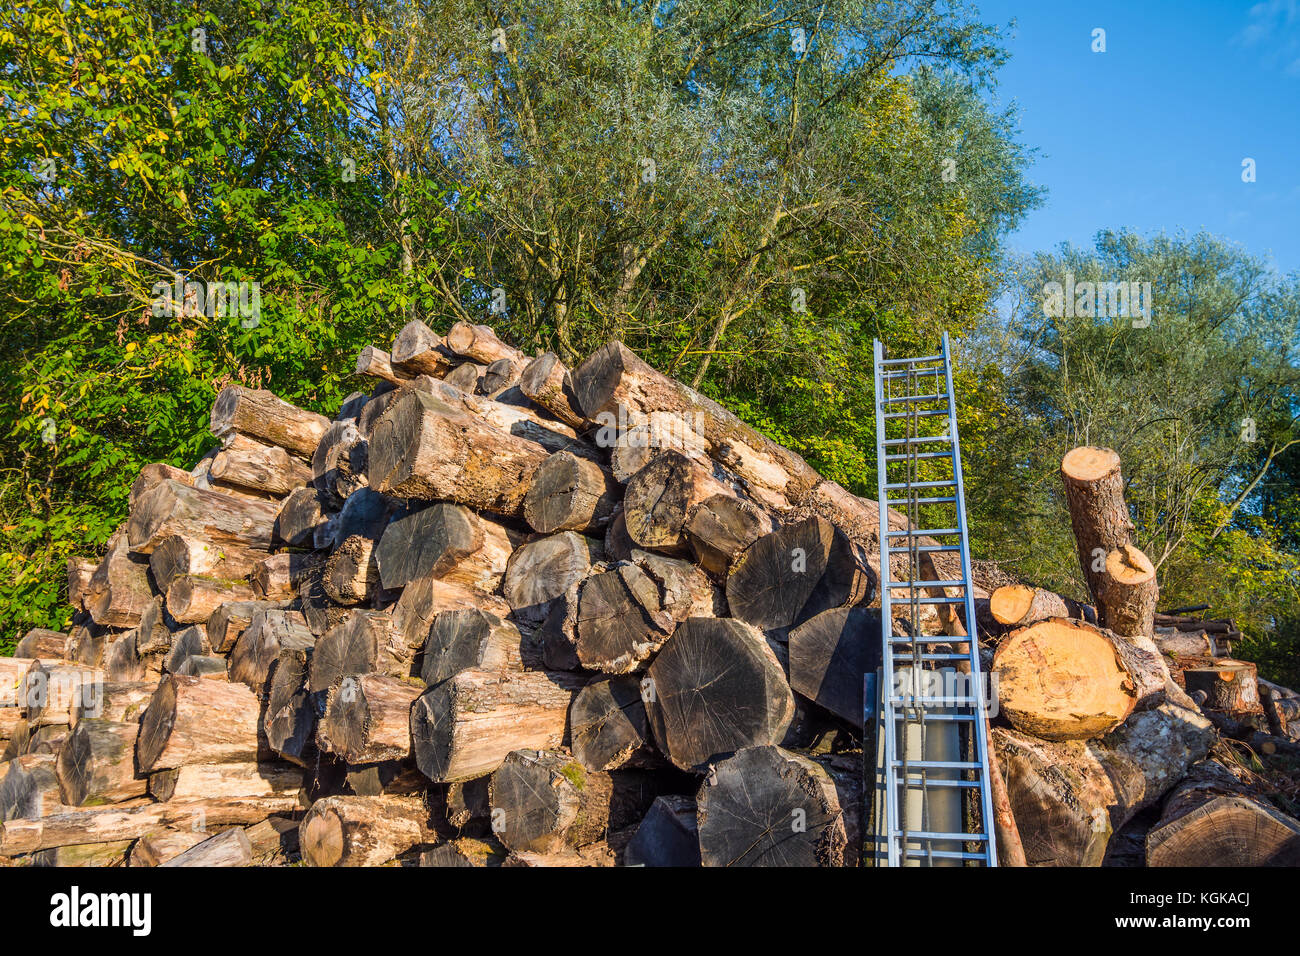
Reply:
x=264, y=416
x=223, y=521
x=227, y=848
x=248, y=463
x=368, y=718
x=481, y=344
x=1094, y=492
x=226, y=780
x=377, y=363
x=190, y=720
x=464, y=727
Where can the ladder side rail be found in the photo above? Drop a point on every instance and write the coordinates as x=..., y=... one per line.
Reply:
x=886, y=619
x=972, y=628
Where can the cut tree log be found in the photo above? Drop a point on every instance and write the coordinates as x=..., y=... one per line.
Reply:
x=547, y=382
x=79, y=574
x=362, y=831
x=1069, y=797
x=203, y=665
x=367, y=642
x=338, y=466
x=1176, y=643
x=511, y=412
x=223, y=521
x=830, y=653
x=249, y=463
x=193, y=598
x=42, y=642
x=190, y=720
x=119, y=589
x=1231, y=686
x=300, y=515
x=279, y=577
x=368, y=718
x=377, y=363
x=158, y=846
x=111, y=824
x=1211, y=819
x=29, y=787
x=544, y=800
x=122, y=701
x=684, y=590
x=1127, y=602
x=766, y=806
x=470, y=639
x=497, y=378
x=1094, y=493
x=425, y=597
x=619, y=623
x=715, y=688
x=177, y=556
x=465, y=376
x=667, y=836
x=445, y=541
x=268, y=634
x=424, y=448
x=481, y=344
x=226, y=780
x=151, y=476
x=569, y=493
x=464, y=727
x=609, y=727
x=558, y=633
x=1063, y=679
x=191, y=642
x=230, y=620
x=96, y=764
x=227, y=848
x=290, y=719
x=51, y=688
x=795, y=573
x=418, y=350
x=264, y=416
x=1018, y=605
x=542, y=570
x=721, y=527
x=659, y=499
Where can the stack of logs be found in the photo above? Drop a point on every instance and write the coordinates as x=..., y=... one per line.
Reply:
x=1110, y=705
x=500, y=612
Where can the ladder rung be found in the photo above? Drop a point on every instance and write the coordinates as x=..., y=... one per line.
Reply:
x=928, y=639
x=956, y=837
x=948, y=500
x=928, y=716
x=927, y=600
x=926, y=584
x=914, y=373
x=913, y=398
x=932, y=702
x=911, y=361
x=938, y=765
x=924, y=413
x=923, y=532
x=905, y=486
x=919, y=854
x=918, y=783
x=918, y=457
x=891, y=442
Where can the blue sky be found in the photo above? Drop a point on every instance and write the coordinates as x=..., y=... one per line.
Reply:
x=1151, y=134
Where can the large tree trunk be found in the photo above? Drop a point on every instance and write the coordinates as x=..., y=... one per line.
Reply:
x=445, y=541
x=715, y=688
x=424, y=448
x=1212, y=819
x=464, y=727
x=1094, y=492
x=619, y=622
x=467, y=640
x=362, y=831
x=661, y=496
x=377, y=363
x=541, y=571
x=1128, y=592
x=177, y=556
x=264, y=416
x=42, y=642
x=795, y=573
x=609, y=727
x=1069, y=797
x=766, y=806
x=226, y=780
x=1066, y=680
x=97, y=763
x=190, y=720
x=368, y=642
x=544, y=800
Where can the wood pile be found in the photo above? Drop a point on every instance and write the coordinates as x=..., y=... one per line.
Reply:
x=500, y=612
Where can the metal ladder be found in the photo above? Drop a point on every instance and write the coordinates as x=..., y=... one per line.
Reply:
x=916, y=730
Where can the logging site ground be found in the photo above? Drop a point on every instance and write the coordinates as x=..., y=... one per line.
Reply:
x=710, y=434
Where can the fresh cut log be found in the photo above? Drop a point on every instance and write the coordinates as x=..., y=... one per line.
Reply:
x=227, y=848
x=1231, y=686
x=481, y=344
x=418, y=350
x=1018, y=605
x=1128, y=592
